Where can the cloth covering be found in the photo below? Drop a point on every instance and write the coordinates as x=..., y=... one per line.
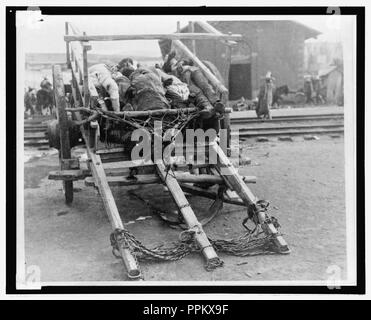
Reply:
x=149, y=94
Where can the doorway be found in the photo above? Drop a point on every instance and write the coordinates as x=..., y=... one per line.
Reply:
x=240, y=81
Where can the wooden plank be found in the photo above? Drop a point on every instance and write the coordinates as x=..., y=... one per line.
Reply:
x=127, y=164
x=125, y=181
x=115, y=180
x=110, y=150
x=169, y=36
x=68, y=175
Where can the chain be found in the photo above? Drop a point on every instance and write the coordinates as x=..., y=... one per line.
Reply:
x=249, y=244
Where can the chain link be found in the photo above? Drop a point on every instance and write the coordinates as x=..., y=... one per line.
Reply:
x=249, y=244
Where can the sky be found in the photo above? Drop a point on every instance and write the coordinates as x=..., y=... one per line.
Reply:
x=47, y=35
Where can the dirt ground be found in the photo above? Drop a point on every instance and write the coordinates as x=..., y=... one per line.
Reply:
x=303, y=180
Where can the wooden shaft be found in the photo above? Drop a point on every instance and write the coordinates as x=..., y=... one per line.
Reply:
x=99, y=175
x=232, y=178
x=171, y=36
x=187, y=212
x=209, y=75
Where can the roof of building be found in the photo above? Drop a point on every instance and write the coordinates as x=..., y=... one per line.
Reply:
x=308, y=31
x=327, y=70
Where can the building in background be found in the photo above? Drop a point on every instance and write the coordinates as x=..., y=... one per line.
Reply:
x=269, y=45
x=319, y=54
x=333, y=83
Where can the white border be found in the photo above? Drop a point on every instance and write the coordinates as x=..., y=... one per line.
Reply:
x=195, y=3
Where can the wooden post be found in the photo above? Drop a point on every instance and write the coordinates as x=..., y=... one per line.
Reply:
x=191, y=29
x=67, y=47
x=187, y=213
x=86, y=77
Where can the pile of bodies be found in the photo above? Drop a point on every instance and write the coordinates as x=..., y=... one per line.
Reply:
x=177, y=84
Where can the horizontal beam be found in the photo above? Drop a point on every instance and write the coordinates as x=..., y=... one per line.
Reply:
x=154, y=178
x=209, y=28
x=169, y=36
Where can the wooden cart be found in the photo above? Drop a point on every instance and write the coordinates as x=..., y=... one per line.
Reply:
x=102, y=160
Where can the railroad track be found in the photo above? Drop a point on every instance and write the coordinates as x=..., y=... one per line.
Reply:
x=289, y=125
x=292, y=118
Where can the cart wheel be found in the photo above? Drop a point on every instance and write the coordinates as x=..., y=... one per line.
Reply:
x=65, y=150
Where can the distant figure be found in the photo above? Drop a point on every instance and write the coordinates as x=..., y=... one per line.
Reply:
x=44, y=96
x=308, y=89
x=278, y=93
x=45, y=84
x=30, y=101
x=265, y=99
x=317, y=90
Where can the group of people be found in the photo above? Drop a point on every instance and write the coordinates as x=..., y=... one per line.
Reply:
x=175, y=84
x=36, y=101
x=313, y=90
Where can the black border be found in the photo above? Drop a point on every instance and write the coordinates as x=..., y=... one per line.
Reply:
x=11, y=173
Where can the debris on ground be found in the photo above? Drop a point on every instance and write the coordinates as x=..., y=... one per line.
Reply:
x=286, y=138
x=310, y=137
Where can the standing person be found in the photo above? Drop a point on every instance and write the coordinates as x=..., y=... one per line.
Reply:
x=45, y=84
x=30, y=100
x=308, y=89
x=265, y=98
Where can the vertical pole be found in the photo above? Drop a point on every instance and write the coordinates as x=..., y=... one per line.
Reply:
x=67, y=47
x=226, y=122
x=191, y=29
x=86, y=77
x=178, y=27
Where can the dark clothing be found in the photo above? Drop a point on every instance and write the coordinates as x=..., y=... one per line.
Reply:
x=149, y=93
